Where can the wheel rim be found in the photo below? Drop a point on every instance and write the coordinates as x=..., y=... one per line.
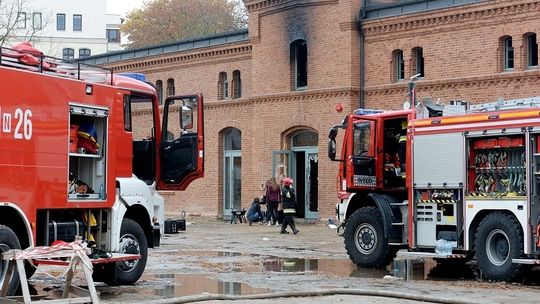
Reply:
x=497, y=247
x=366, y=238
x=130, y=245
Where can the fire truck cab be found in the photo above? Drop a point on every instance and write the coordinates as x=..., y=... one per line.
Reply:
x=76, y=163
x=468, y=188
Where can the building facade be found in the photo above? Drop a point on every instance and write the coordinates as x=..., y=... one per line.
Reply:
x=271, y=91
x=66, y=29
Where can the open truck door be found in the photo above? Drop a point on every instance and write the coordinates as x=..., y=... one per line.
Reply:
x=181, y=155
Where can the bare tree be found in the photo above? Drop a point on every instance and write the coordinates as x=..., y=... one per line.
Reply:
x=18, y=22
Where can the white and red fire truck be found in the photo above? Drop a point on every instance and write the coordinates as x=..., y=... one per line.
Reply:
x=454, y=181
x=70, y=163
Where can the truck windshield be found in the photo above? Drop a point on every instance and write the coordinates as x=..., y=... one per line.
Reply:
x=362, y=139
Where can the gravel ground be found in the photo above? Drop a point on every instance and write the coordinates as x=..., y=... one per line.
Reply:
x=213, y=257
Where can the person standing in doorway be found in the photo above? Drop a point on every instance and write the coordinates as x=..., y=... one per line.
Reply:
x=273, y=197
x=288, y=198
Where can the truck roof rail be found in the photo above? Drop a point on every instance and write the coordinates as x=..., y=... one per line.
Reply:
x=31, y=59
x=461, y=107
x=512, y=104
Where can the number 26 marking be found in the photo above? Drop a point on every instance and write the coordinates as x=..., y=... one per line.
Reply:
x=24, y=121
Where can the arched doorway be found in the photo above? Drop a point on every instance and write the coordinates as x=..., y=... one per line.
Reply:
x=232, y=168
x=305, y=172
x=301, y=163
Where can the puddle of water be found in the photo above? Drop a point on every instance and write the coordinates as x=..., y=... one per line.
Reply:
x=205, y=253
x=178, y=285
x=333, y=267
x=429, y=269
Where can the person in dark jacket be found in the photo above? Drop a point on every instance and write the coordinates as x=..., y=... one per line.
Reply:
x=254, y=213
x=273, y=197
x=288, y=198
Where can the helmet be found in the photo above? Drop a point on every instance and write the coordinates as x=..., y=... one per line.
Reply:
x=287, y=181
x=404, y=125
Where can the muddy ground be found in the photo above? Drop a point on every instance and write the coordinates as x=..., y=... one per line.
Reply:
x=213, y=257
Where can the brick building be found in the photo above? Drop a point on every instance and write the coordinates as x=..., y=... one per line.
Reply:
x=271, y=91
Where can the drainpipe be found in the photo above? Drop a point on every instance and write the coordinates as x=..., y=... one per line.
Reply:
x=361, y=16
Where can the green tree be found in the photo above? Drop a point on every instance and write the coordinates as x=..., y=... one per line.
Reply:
x=162, y=21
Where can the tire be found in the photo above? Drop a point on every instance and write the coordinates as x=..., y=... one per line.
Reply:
x=364, y=238
x=499, y=239
x=132, y=241
x=8, y=240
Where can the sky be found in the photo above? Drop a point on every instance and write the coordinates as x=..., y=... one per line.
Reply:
x=123, y=7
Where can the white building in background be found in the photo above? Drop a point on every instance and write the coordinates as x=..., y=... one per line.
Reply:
x=67, y=29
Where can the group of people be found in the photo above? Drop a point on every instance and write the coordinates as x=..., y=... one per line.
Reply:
x=280, y=205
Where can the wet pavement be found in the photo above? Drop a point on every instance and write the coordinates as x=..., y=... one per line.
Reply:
x=213, y=257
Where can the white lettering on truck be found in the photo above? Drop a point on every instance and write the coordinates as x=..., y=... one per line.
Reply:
x=23, y=124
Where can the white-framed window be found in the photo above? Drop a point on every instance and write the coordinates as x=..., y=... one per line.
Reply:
x=113, y=35
x=37, y=23
x=299, y=64
x=68, y=53
x=508, y=54
x=77, y=22
x=84, y=53
x=60, y=22
x=21, y=20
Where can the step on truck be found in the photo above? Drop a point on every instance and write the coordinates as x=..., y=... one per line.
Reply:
x=460, y=181
x=76, y=162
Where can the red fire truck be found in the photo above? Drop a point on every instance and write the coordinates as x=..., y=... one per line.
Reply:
x=456, y=181
x=75, y=161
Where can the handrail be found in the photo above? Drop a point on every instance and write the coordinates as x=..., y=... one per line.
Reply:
x=32, y=61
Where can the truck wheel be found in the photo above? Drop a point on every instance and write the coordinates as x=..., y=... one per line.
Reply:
x=499, y=239
x=132, y=241
x=364, y=238
x=8, y=240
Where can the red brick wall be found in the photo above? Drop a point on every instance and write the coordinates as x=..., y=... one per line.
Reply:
x=462, y=53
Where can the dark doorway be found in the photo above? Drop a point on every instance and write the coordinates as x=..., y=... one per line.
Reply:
x=300, y=184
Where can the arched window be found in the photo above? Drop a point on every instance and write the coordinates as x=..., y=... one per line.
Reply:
x=299, y=64
x=508, y=53
x=223, y=86
x=159, y=89
x=531, y=50
x=398, y=65
x=84, y=53
x=237, y=84
x=418, y=61
x=68, y=53
x=170, y=87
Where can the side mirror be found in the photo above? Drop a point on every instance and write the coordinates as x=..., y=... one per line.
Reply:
x=186, y=118
x=333, y=133
x=332, y=149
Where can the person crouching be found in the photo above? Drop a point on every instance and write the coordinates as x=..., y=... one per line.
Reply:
x=254, y=213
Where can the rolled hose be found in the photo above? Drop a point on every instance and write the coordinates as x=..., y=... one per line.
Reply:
x=326, y=292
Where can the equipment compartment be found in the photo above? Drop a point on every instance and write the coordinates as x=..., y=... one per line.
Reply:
x=87, y=163
x=496, y=167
